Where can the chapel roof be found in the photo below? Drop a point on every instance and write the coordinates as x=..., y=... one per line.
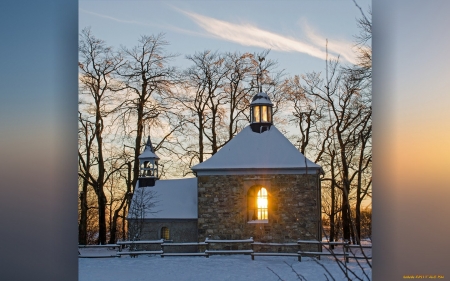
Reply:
x=250, y=151
x=176, y=199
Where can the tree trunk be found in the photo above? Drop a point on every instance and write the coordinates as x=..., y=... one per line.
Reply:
x=358, y=221
x=112, y=238
x=102, y=218
x=200, y=137
x=82, y=227
x=345, y=218
x=137, y=145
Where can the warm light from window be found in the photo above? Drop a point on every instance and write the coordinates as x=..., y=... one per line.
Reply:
x=256, y=114
x=262, y=204
x=264, y=114
x=165, y=233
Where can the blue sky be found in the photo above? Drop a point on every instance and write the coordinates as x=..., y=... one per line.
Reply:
x=295, y=31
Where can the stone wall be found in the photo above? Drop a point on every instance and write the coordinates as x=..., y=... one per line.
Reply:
x=293, y=206
x=180, y=231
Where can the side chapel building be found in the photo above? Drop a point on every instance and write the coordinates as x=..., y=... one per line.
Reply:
x=258, y=185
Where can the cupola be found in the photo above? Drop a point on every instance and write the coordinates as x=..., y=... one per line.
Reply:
x=148, y=166
x=261, y=113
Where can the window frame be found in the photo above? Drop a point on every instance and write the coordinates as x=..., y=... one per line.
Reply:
x=260, y=112
x=252, y=205
x=165, y=230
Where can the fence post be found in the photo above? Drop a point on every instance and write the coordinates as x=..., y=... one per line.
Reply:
x=207, y=247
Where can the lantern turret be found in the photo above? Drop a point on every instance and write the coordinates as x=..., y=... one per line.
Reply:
x=148, y=166
x=261, y=113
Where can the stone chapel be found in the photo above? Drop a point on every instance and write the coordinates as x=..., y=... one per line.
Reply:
x=258, y=185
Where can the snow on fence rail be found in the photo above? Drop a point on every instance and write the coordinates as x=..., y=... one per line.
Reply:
x=134, y=252
x=354, y=255
x=99, y=246
x=329, y=251
x=183, y=245
x=274, y=253
x=227, y=252
x=95, y=255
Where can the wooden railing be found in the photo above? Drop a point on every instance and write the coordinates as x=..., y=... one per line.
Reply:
x=231, y=251
x=247, y=248
x=328, y=251
x=271, y=245
x=361, y=255
x=187, y=244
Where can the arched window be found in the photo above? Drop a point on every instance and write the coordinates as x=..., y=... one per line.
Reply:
x=257, y=204
x=165, y=233
x=261, y=202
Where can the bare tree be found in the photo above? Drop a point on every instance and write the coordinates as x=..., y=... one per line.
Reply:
x=238, y=90
x=363, y=72
x=97, y=64
x=145, y=76
x=124, y=173
x=339, y=111
x=204, y=78
x=85, y=138
x=142, y=205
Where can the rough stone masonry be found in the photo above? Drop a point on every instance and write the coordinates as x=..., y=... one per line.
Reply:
x=293, y=208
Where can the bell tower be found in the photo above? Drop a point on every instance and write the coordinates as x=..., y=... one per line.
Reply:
x=261, y=113
x=148, y=166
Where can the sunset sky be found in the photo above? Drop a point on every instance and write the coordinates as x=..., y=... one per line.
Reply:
x=39, y=99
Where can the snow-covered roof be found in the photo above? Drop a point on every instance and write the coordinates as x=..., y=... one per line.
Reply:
x=248, y=152
x=261, y=98
x=148, y=151
x=176, y=199
x=148, y=154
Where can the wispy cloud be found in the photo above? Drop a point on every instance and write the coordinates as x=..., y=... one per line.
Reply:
x=167, y=26
x=250, y=35
x=341, y=47
x=112, y=18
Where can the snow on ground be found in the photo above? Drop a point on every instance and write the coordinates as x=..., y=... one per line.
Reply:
x=222, y=267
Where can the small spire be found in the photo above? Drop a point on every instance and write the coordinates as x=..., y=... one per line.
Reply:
x=149, y=144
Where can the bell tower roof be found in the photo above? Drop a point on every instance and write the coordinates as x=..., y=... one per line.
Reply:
x=148, y=152
x=261, y=98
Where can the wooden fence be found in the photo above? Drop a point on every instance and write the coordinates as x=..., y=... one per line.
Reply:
x=247, y=248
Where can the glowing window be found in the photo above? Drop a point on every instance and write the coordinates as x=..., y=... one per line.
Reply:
x=262, y=204
x=257, y=205
x=165, y=233
x=264, y=114
x=256, y=114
